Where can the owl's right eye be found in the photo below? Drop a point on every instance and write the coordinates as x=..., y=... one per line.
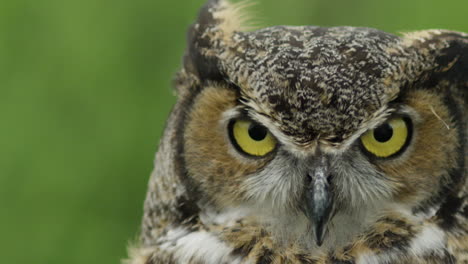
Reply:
x=251, y=138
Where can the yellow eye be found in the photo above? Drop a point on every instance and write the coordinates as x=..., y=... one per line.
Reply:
x=251, y=138
x=389, y=138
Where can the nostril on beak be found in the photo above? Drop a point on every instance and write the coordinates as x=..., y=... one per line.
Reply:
x=329, y=178
x=308, y=180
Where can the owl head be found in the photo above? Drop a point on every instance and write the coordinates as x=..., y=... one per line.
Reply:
x=304, y=129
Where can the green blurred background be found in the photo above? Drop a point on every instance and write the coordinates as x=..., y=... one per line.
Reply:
x=85, y=88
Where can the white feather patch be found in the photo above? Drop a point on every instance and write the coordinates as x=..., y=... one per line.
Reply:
x=373, y=259
x=430, y=240
x=199, y=246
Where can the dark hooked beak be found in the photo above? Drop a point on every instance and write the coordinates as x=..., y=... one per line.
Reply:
x=318, y=198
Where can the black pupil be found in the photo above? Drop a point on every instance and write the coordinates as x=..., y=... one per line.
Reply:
x=383, y=133
x=257, y=132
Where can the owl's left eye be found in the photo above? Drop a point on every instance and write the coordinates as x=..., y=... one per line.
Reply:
x=251, y=138
x=389, y=138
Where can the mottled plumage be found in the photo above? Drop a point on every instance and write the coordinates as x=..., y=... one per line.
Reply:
x=304, y=183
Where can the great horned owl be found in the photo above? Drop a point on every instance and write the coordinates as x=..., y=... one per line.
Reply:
x=311, y=145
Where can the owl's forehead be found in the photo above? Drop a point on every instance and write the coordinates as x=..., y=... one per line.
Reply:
x=313, y=81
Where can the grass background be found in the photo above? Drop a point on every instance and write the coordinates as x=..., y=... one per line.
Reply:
x=84, y=94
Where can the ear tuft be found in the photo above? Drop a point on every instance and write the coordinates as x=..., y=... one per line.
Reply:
x=448, y=53
x=217, y=22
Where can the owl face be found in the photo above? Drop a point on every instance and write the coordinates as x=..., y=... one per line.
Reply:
x=310, y=126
